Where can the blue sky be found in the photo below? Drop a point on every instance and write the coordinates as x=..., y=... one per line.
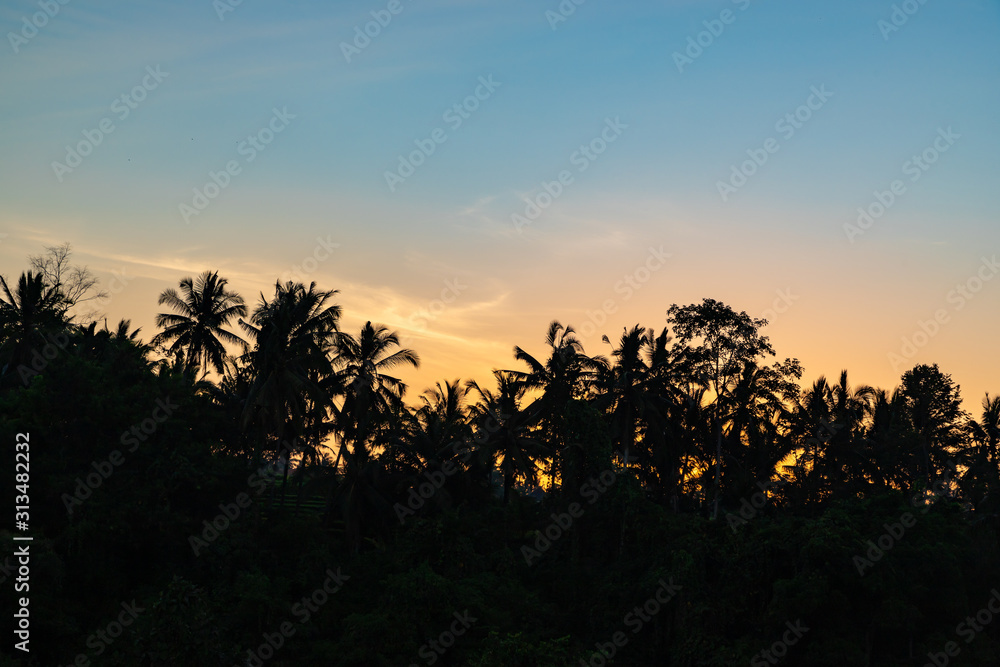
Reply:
x=323, y=176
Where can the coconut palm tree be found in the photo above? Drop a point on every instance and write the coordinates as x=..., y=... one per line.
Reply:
x=981, y=481
x=757, y=423
x=295, y=335
x=987, y=429
x=625, y=394
x=369, y=417
x=506, y=430
x=202, y=310
x=441, y=424
x=637, y=390
x=122, y=332
x=28, y=312
x=435, y=439
x=565, y=375
x=371, y=395
x=886, y=439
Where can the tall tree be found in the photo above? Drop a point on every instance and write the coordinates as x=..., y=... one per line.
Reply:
x=758, y=419
x=76, y=283
x=723, y=341
x=371, y=394
x=981, y=481
x=830, y=422
x=371, y=413
x=507, y=429
x=29, y=312
x=294, y=335
x=644, y=382
x=566, y=374
x=442, y=423
x=934, y=408
x=196, y=328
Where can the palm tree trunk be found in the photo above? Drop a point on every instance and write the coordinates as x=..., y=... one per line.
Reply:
x=340, y=452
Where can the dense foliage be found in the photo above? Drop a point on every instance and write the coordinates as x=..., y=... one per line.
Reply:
x=251, y=487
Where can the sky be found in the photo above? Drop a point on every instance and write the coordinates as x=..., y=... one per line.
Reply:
x=467, y=171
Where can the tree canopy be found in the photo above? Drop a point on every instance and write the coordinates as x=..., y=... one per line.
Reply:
x=683, y=500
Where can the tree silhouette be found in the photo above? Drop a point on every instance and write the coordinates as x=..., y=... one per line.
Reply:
x=371, y=395
x=508, y=429
x=933, y=406
x=76, y=283
x=196, y=328
x=726, y=340
x=28, y=313
x=142, y=459
x=294, y=336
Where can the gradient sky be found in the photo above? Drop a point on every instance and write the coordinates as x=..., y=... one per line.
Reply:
x=850, y=302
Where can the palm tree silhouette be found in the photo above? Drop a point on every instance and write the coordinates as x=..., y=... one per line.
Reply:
x=757, y=421
x=28, y=313
x=370, y=394
x=441, y=423
x=294, y=335
x=638, y=389
x=196, y=327
x=507, y=429
x=981, y=482
x=371, y=413
x=568, y=373
x=726, y=339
